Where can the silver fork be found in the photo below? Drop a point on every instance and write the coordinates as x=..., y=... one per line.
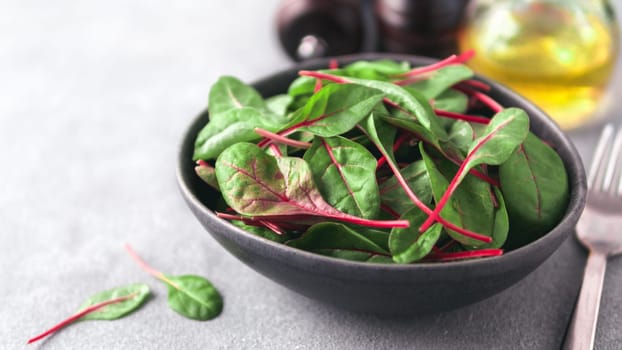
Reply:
x=597, y=231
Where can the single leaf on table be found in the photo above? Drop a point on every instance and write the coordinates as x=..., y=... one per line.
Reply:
x=258, y=185
x=336, y=109
x=505, y=132
x=392, y=194
x=408, y=245
x=191, y=296
x=107, y=305
x=117, y=310
x=194, y=297
x=470, y=207
x=345, y=173
x=230, y=93
x=534, y=183
x=335, y=236
x=236, y=126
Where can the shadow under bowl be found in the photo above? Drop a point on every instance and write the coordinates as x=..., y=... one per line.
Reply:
x=385, y=288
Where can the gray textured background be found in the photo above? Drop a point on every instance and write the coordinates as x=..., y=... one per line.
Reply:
x=94, y=97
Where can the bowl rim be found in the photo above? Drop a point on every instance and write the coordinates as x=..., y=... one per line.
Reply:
x=309, y=260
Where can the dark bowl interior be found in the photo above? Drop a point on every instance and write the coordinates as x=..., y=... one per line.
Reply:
x=380, y=288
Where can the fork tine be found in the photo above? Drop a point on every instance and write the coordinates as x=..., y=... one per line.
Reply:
x=598, y=168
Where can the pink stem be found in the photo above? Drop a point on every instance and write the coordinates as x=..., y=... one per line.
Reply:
x=150, y=270
x=281, y=139
x=453, y=59
x=323, y=76
x=460, y=116
x=333, y=64
x=398, y=143
x=275, y=150
x=318, y=85
x=455, y=181
x=413, y=197
x=79, y=315
x=442, y=256
x=482, y=97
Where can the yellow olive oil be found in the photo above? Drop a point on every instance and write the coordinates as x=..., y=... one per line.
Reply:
x=558, y=57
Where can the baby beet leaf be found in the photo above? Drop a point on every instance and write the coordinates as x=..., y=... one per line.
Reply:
x=535, y=187
x=451, y=101
x=382, y=135
x=207, y=173
x=191, y=296
x=505, y=132
x=395, y=96
x=501, y=226
x=256, y=184
x=240, y=126
x=409, y=245
x=107, y=305
x=230, y=93
x=336, y=109
x=345, y=173
x=442, y=79
x=117, y=310
x=335, y=236
x=470, y=206
x=416, y=176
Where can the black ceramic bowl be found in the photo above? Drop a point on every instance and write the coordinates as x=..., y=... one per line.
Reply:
x=379, y=288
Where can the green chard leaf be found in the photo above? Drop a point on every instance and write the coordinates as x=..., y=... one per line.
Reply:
x=451, y=101
x=193, y=297
x=229, y=93
x=408, y=244
x=534, y=183
x=256, y=184
x=345, y=173
x=337, y=108
x=207, y=173
x=339, y=237
x=139, y=292
x=416, y=176
x=469, y=207
x=442, y=79
x=107, y=305
x=279, y=104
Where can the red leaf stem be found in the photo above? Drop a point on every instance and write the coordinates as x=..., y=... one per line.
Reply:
x=398, y=143
x=476, y=84
x=318, y=85
x=469, y=254
x=275, y=150
x=413, y=197
x=150, y=270
x=323, y=76
x=390, y=211
x=278, y=138
x=454, y=182
x=461, y=116
x=333, y=64
x=79, y=315
x=453, y=59
x=482, y=97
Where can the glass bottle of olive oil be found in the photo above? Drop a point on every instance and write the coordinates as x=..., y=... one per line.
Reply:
x=559, y=54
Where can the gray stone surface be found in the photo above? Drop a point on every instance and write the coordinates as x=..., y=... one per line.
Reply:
x=94, y=97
